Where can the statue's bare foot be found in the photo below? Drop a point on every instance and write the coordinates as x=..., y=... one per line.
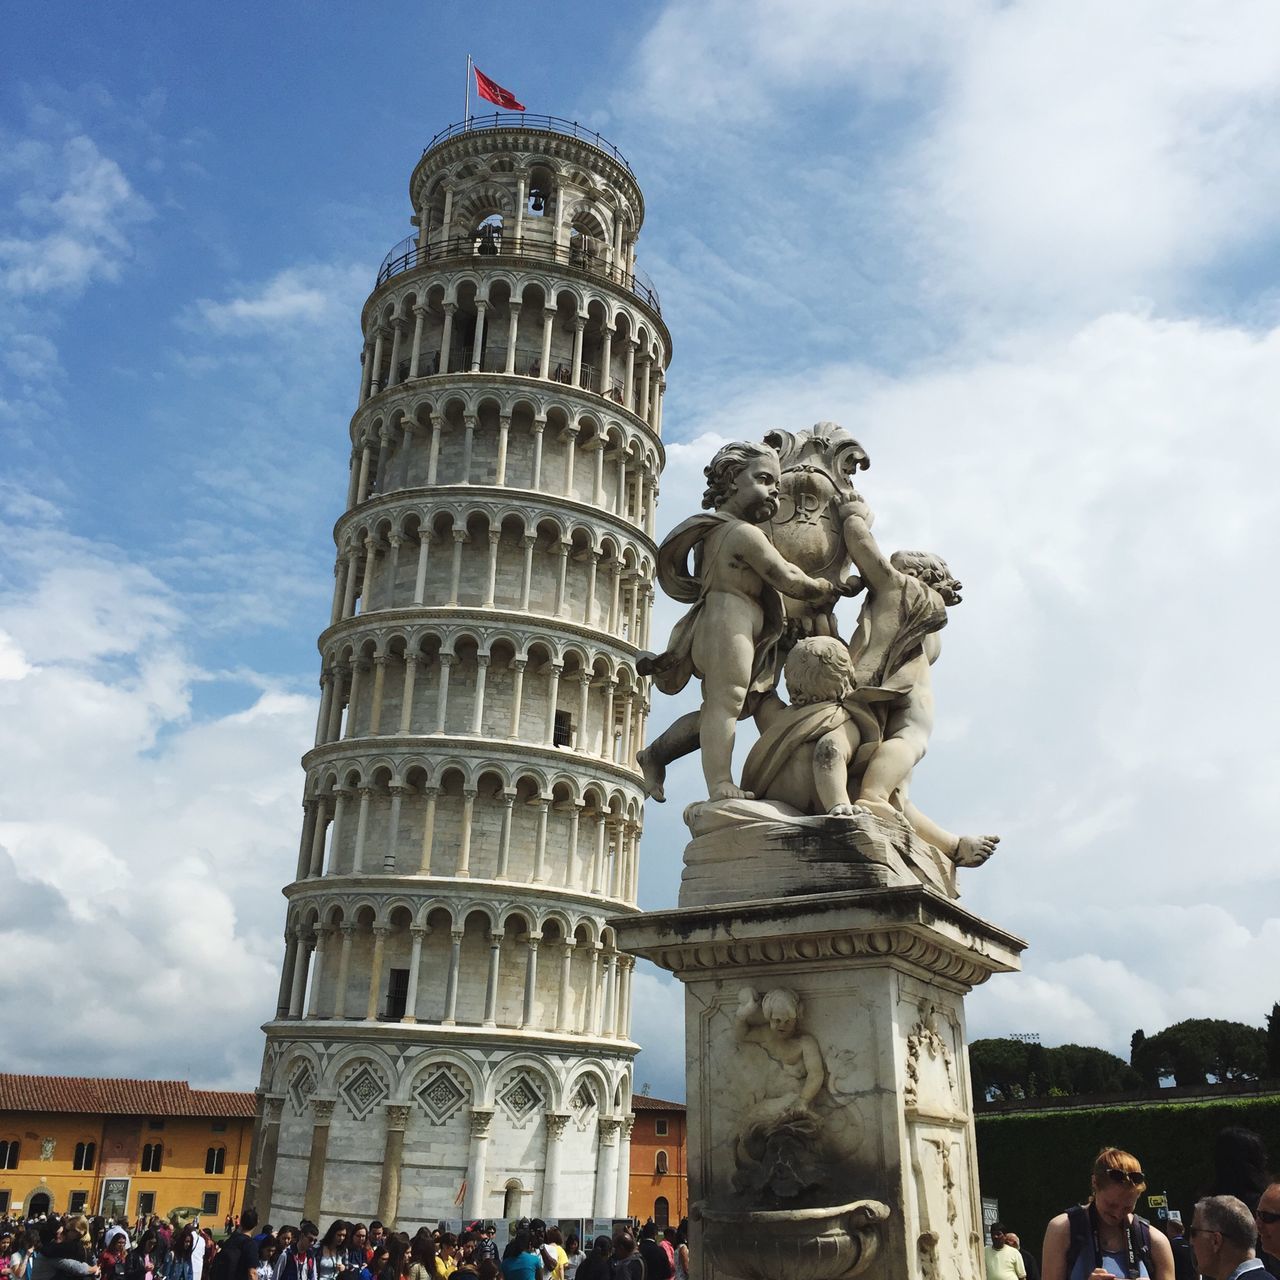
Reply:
x=655, y=775
x=973, y=851
x=842, y=811
x=727, y=791
x=877, y=808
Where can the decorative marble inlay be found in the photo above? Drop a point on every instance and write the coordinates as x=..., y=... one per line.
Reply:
x=301, y=1086
x=440, y=1095
x=362, y=1091
x=521, y=1098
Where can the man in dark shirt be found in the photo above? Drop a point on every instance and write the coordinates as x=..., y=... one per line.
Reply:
x=242, y=1248
x=657, y=1266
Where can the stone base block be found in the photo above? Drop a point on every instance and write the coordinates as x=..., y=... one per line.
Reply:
x=762, y=842
x=830, y=1116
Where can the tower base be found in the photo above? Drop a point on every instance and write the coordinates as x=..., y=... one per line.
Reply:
x=830, y=1114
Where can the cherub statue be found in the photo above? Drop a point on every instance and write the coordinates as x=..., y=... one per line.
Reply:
x=895, y=643
x=729, y=637
x=813, y=753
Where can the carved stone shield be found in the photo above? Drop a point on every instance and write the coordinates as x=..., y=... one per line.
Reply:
x=816, y=470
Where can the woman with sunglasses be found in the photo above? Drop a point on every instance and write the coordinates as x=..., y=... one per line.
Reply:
x=1103, y=1238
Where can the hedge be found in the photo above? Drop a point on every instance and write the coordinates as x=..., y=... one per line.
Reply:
x=1037, y=1163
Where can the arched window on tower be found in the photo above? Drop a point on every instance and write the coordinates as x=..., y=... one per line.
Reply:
x=661, y=1163
x=488, y=236
x=511, y=1199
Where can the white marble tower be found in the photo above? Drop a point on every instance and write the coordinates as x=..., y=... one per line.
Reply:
x=452, y=1032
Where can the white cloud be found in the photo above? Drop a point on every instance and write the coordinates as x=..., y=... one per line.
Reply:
x=1016, y=157
x=143, y=849
x=70, y=217
x=301, y=297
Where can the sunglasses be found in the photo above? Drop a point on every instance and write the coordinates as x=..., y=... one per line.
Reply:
x=1129, y=1177
x=1265, y=1215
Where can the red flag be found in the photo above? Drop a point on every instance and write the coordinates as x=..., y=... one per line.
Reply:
x=492, y=91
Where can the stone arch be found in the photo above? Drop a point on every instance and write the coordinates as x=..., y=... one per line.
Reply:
x=533, y=1065
x=437, y=1057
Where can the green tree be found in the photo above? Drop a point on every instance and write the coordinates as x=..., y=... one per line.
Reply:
x=1273, y=1042
x=998, y=1069
x=1081, y=1068
x=1193, y=1050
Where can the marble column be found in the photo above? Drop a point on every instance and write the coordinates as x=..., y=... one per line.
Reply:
x=322, y=1114
x=272, y=1107
x=375, y=972
x=344, y=972
x=428, y=829
x=565, y=993
x=451, y=986
x=473, y=1203
x=286, y=973
x=491, y=984
x=622, y=1203
x=392, y=1160
x=317, y=972
x=607, y=1168
x=551, y=1190
x=417, y=933
x=530, y=980
x=300, y=963
x=504, y=837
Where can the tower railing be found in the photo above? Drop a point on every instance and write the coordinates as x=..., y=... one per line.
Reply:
x=408, y=254
x=527, y=120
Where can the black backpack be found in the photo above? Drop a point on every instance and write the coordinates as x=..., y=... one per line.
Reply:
x=1082, y=1233
x=226, y=1262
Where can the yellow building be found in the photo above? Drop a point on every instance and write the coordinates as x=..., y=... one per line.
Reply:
x=121, y=1147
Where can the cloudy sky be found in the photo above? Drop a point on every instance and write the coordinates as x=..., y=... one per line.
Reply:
x=1026, y=250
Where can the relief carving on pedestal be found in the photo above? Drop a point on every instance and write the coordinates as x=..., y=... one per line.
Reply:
x=931, y=1083
x=778, y=1152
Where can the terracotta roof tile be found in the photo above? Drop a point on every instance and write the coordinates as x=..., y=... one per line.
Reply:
x=85, y=1095
x=642, y=1102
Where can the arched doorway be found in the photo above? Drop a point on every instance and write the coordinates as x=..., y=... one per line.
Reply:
x=38, y=1204
x=661, y=1212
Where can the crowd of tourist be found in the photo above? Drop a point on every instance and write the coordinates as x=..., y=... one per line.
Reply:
x=74, y=1246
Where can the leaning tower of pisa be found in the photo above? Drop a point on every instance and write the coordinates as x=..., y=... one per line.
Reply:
x=451, y=1036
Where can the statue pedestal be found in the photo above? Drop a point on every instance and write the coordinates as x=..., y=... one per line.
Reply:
x=830, y=1117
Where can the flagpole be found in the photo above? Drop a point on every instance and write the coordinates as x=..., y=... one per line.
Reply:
x=466, y=110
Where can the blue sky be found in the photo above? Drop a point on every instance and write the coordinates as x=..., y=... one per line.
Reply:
x=1026, y=251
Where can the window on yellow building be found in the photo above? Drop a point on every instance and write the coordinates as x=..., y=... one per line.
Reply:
x=219, y=1126
x=9, y=1153
x=209, y=1203
x=4, y=1201
x=77, y=1201
x=152, y=1157
x=85, y=1154
x=660, y=1128
x=661, y=1164
x=146, y=1203
x=215, y=1160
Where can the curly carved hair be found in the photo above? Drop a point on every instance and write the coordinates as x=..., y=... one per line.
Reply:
x=818, y=669
x=727, y=465
x=931, y=570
